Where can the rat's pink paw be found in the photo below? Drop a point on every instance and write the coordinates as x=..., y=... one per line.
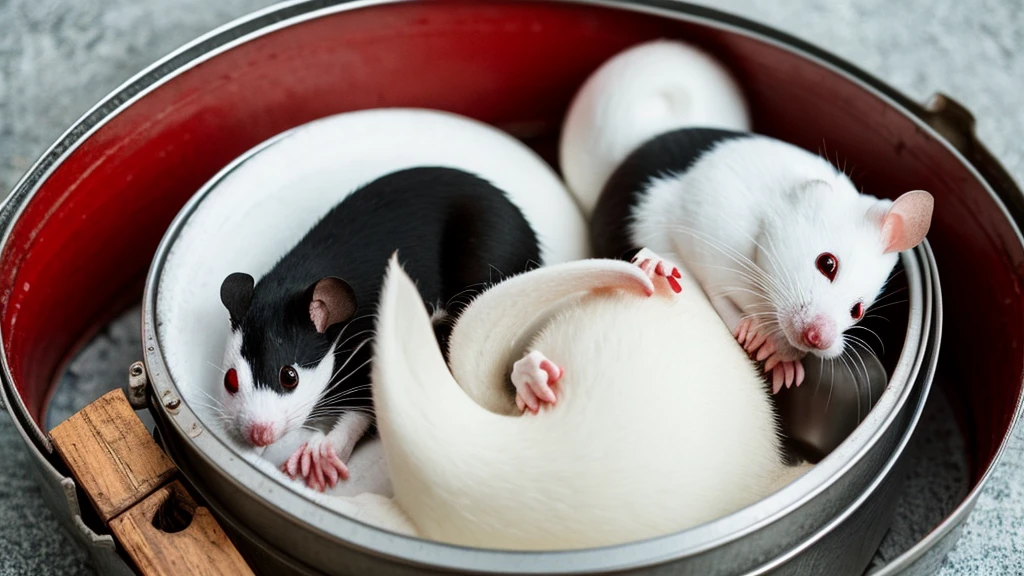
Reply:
x=785, y=372
x=317, y=462
x=655, y=265
x=754, y=339
x=533, y=376
x=764, y=347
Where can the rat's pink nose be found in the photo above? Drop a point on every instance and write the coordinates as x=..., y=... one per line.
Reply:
x=820, y=334
x=261, y=434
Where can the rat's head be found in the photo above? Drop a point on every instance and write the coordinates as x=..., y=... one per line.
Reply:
x=280, y=357
x=829, y=257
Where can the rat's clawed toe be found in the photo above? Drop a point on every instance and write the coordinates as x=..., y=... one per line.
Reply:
x=778, y=379
x=654, y=265
x=790, y=373
x=765, y=348
x=533, y=376
x=744, y=331
x=291, y=466
x=760, y=342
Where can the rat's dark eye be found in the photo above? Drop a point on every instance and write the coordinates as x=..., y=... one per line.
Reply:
x=857, y=312
x=289, y=377
x=231, y=381
x=828, y=265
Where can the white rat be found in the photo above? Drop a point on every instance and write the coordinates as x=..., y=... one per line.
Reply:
x=641, y=443
x=791, y=254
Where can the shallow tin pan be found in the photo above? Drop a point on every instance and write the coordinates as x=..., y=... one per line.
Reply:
x=245, y=497
x=104, y=190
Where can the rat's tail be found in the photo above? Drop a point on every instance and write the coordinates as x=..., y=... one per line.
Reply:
x=429, y=428
x=417, y=399
x=444, y=451
x=493, y=332
x=640, y=93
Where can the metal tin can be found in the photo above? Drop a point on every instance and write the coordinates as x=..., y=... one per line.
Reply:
x=80, y=230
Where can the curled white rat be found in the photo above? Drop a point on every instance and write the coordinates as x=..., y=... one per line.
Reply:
x=640, y=443
x=791, y=254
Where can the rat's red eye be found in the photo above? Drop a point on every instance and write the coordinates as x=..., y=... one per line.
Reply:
x=828, y=265
x=857, y=311
x=231, y=381
x=289, y=377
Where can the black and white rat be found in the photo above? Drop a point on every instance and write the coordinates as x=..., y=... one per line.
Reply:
x=299, y=346
x=616, y=459
x=657, y=148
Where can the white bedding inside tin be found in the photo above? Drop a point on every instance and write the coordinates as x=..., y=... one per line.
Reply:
x=259, y=207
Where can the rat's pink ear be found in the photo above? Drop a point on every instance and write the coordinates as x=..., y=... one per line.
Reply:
x=907, y=222
x=332, y=301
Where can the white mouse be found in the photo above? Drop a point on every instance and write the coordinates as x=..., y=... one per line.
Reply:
x=788, y=250
x=640, y=443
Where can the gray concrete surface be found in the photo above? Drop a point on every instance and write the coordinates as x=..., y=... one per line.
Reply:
x=57, y=58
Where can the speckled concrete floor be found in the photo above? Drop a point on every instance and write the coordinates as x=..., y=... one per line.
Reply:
x=57, y=58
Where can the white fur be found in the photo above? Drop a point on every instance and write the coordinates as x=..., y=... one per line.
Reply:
x=260, y=405
x=640, y=444
x=749, y=220
x=744, y=219
x=636, y=95
x=261, y=206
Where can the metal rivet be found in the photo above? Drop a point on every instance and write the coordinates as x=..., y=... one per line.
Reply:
x=137, y=385
x=173, y=404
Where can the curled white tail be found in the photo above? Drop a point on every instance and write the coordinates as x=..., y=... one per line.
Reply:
x=412, y=385
x=492, y=333
x=422, y=414
x=445, y=451
x=642, y=92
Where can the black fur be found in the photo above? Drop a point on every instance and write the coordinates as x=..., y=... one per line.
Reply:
x=670, y=153
x=454, y=232
x=236, y=294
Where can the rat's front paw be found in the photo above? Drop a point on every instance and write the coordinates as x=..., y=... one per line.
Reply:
x=318, y=463
x=533, y=376
x=788, y=372
x=781, y=361
x=745, y=331
x=655, y=265
x=754, y=339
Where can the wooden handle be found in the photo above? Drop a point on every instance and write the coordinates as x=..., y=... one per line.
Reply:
x=130, y=482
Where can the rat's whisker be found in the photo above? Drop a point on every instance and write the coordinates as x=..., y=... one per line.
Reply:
x=872, y=332
x=220, y=369
x=896, y=303
x=849, y=369
x=832, y=384
x=725, y=250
